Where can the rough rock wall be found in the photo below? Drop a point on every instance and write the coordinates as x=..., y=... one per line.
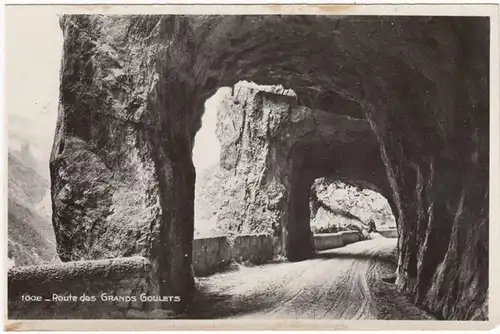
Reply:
x=121, y=170
x=339, y=204
x=254, y=161
x=256, y=170
x=265, y=139
x=132, y=91
x=437, y=154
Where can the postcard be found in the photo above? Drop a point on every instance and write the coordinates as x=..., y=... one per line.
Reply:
x=252, y=166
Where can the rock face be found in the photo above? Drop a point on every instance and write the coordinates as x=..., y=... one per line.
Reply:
x=336, y=203
x=397, y=102
x=208, y=200
x=269, y=159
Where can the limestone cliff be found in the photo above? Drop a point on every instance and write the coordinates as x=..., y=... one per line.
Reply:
x=398, y=102
x=336, y=203
x=271, y=152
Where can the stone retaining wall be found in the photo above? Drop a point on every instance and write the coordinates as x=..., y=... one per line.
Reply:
x=350, y=236
x=389, y=233
x=335, y=240
x=210, y=255
x=328, y=240
x=213, y=254
x=84, y=289
x=256, y=248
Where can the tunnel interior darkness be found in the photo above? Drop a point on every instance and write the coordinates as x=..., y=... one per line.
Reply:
x=358, y=163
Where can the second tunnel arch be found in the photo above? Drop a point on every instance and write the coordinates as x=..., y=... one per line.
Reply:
x=273, y=149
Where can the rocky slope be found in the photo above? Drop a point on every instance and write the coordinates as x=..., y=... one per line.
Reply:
x=335, y=203
x=30, y=233
x=208, y=200
x=413, y=93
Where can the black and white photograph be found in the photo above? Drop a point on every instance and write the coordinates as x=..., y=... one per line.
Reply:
x=281, y=165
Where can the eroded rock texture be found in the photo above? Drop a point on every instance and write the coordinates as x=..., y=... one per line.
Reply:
x=414, y=92
x=337, y=204
x=271, y=151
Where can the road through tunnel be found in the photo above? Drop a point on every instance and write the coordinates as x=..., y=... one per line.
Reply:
x=355, y=162
x=395, y=101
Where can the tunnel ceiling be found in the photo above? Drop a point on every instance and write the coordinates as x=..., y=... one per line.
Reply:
x=328, y=60
x=355, y=163
x=319, y=98
x=356, y=66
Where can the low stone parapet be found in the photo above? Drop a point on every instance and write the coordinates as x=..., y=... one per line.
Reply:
x=328, y=240
x=256, y=248
x=213, y=254
x=388, y=233
x=113, y=288
x=350, y=236
x=210, y=255
x=335, y=240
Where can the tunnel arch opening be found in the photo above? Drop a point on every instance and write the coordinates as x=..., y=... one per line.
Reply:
x=299, y=143
x=348, y=205
x=206, y=161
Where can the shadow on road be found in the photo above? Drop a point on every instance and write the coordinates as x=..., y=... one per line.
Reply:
x=328, y=255
x=213, y=305
x=352, y=282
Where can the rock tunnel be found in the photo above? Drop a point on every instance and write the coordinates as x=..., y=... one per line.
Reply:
x=273, y=149
x=400, y=103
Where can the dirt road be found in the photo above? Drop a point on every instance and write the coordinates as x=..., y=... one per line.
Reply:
x=342, y=283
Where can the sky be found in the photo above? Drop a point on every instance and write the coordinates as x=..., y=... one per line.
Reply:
x=206, y=150
x=32, y=64
x=33, y=57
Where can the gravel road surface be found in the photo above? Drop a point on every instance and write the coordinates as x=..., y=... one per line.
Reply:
x=342, y=283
